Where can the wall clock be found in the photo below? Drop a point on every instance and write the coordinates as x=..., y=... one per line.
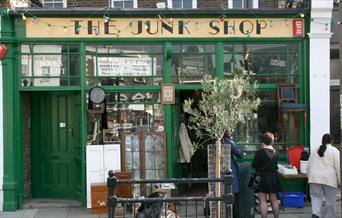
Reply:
x=97, y=95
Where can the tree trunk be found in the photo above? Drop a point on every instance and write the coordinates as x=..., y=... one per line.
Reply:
x=218, y=175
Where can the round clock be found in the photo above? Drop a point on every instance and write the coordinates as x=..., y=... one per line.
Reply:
x=97, y=95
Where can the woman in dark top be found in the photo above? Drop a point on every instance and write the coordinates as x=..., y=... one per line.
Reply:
x=266, y=163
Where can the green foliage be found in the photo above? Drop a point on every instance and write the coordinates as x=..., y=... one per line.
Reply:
x=223, y=104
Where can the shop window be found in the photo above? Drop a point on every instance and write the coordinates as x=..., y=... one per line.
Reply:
x=125, y=112
x=266, y=119
x=266, y=63
x=54, y=3
x=124, y=65
x=182, y=3
x=191, y=61
x=50, y=65
x=135, y=120
x=124, y=3
x=243, y=4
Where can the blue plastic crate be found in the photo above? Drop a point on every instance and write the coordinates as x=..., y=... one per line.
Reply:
x=292, y=199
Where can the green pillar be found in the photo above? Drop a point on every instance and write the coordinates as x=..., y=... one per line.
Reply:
x=13, y=198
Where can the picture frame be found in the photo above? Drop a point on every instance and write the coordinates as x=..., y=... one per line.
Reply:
x=167, y=94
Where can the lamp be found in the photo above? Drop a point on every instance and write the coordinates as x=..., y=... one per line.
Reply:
x=3, y=50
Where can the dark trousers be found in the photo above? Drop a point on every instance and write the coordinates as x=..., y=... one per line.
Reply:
x=236, y=205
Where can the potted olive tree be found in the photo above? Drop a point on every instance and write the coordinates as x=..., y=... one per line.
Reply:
x=223, y=104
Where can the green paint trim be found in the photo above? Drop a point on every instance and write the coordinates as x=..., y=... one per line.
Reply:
x=219, y=60
x=83, y=123
x=167, y=78
x=170, y=147
x=150, y=40
x=11, y=148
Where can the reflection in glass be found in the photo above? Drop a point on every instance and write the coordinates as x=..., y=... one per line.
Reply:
x=136, y=146
x=149, y=143
x=136, y=160
x=50, y=65
x=266, y=63
x=191, y=61
x=124, y=65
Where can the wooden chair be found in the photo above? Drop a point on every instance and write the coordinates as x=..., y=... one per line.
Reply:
x=287, y=98
x=288, y=104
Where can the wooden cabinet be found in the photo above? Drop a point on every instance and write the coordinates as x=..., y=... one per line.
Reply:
x=101, y=159
x=99, y=193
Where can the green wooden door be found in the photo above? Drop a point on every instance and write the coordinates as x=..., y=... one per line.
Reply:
x=55, y=145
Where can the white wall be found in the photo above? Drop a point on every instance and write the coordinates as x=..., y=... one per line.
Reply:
x=319, y=70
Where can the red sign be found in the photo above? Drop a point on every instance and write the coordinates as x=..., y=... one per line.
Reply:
x=298, y=27
x=3, y=51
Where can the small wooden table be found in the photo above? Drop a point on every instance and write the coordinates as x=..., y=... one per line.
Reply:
x=285, y=178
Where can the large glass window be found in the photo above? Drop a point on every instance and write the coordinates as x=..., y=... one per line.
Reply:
x=243, y=3
x=54, y=3
x=124, y=3
x=182, y=3
x=122, y=65
x=191, y=61
x=125, y=112
x=50, y=65
x=267, y=63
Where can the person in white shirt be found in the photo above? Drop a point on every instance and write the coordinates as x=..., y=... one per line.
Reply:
x=324, y=178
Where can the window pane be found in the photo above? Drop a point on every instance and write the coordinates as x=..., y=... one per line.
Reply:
x=128, y=4
x=237, y=3
x=118, y=4
x=50, y=65
x=177, y=3
x=266, y=63
x=192, y=61
x=122, y=64
x=187, y=3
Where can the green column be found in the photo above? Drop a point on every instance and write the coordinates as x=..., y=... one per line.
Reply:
x=83, y=121
x=168, y=115
x=11, y=159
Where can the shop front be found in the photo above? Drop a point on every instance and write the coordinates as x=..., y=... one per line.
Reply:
x=96, y=93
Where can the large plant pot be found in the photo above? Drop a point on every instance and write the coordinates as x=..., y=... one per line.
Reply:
x=225, y=166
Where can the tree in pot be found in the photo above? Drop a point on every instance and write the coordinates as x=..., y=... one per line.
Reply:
x=223, y=104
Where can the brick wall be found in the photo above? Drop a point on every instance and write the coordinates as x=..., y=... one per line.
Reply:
x=27, y=145
x=268, y=3
x=212, y=4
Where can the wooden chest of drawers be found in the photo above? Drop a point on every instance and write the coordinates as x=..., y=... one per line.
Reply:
x=99, y=193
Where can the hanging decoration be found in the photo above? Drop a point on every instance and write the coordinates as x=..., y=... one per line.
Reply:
x=104, y=12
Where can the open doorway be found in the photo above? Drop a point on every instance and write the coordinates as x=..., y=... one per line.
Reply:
x=197, y=167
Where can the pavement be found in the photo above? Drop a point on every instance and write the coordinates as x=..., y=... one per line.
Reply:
x=72, y=209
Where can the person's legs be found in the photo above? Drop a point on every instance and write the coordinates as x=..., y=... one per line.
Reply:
x=330, y=201
x=275, y=205
x=236, y=206
x=263, y=204
x=316, y=194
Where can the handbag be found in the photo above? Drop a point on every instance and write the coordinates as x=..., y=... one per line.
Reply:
x=255, y=179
